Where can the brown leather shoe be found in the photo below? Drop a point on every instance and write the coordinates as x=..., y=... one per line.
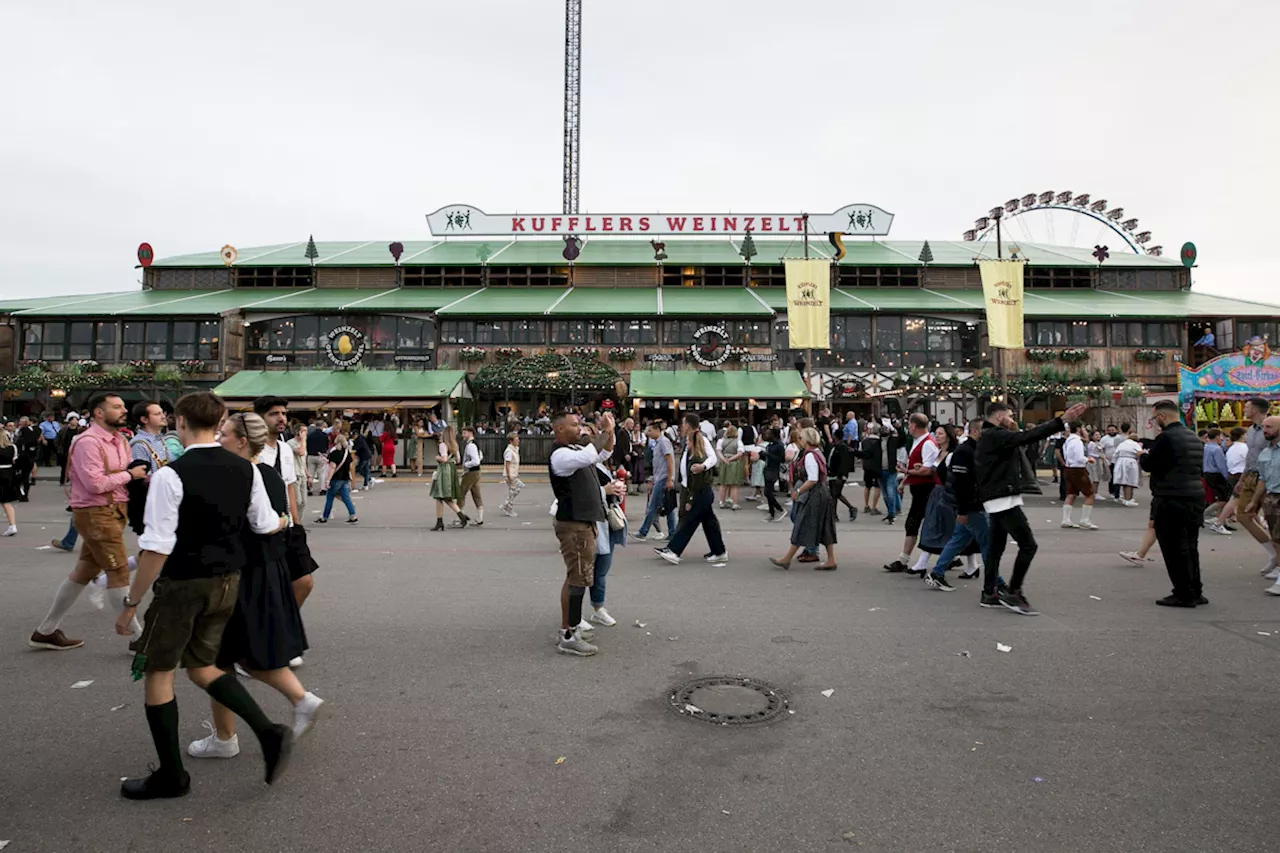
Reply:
x=808, y=558
x=57, y=641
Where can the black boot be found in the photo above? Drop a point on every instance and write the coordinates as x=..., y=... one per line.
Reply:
x=158, y=785
x=439, y=524
x=463, y=519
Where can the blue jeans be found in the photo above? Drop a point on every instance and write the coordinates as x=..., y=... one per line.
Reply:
x=364, y=468
x=603, y=563
x=977, y=528
x=340, y=489
x=652, y=511
x=69, y=541
x=889, y=488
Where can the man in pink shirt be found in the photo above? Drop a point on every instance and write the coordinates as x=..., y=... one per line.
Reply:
x=98, y=470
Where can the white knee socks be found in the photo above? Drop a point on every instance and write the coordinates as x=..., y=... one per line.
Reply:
x=68, y=592
x=1086, y=512
x=923, y=562
x=116, y=597
x=1066, y=513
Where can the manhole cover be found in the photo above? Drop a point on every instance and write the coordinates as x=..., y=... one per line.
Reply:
x=728, y=700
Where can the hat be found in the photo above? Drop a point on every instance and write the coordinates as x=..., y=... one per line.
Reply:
x=71, y=415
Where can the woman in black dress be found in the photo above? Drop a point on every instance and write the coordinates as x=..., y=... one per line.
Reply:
x=940, y=513
x=8, y=482
x=265, y=631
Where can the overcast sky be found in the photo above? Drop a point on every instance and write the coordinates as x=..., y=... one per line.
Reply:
x=193, y=125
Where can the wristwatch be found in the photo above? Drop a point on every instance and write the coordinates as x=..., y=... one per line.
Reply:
x=130, y=604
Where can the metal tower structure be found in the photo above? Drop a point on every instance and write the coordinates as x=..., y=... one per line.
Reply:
x=572, y=100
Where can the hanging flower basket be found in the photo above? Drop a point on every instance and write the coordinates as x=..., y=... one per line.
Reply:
x=1150, y=355
x=584, y=352
x=1041, y=354
x=622, y=353
x=508, y=353
x=190, y=366
x=142, y=366
x=1074, y=355
x=471, y=354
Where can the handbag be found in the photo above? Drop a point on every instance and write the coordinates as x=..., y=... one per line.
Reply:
x=617, y=519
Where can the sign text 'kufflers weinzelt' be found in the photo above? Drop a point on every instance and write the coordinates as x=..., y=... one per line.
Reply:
x=461, y=220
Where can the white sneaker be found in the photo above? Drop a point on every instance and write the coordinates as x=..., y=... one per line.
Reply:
x=764, y=507
x=212, y=746
x=508, y=512
x=1272, y=575
x=658, y=536
x=1219, y=529
x=667, y=554
x=640, y=537
x=1067, y=525
x=1132, y=557
x=1269, y=568
x=11, y=530
x=1274, y=589
x=296, y=662
x=1087, y=525
x=718, y=558
x=1129, y=503
x=602, y=617
x=585, y=627
x=305, y=713
x=575, y=645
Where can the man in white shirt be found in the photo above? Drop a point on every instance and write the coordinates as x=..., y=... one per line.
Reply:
x=197, y=509
x=511, y=473
x=1075, y=469
x=279, y=455
x=1109, y=443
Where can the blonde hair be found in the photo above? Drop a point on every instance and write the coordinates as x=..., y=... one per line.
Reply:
x=252, y=428
x=731, y=431
x=340, y=441
x=449, y=438
x=810, y=437
x=4, y=439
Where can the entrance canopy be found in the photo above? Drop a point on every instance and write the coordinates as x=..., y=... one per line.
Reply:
x=759, y=385
x=347, y=389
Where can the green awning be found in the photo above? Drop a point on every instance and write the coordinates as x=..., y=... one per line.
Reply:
x=506, y=302
x=608, y=302
x=717, y=384
x=712, y=302
x=385, y=387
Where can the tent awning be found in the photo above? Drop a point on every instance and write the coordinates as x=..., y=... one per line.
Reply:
x=718, y=384
x=346, y=388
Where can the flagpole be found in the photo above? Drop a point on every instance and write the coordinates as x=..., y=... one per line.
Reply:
x=995, y=351
x=808, y=353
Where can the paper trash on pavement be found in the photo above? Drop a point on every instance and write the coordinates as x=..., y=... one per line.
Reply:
x=560, y=761
x=828, y=692
x=81, y=684
x=1001, y=647
x=640, y=624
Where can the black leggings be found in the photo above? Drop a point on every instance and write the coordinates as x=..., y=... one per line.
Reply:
x=837, y=494
x=770, y=483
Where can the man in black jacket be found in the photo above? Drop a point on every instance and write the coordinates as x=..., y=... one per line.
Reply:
x=971, y=519
x=839, y=466
x=1175, y=463
x=999, y=459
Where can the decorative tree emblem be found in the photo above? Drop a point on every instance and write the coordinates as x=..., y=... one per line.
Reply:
x=926, y=254
x=748, y=250
x=312, y=252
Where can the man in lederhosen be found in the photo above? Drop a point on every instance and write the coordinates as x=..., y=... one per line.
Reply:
x=193, y=551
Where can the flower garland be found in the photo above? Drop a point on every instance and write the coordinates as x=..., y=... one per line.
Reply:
x=547, y=372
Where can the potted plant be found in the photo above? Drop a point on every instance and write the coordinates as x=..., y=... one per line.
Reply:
x=1041, y=354
x=471, y=354
x=1132, y=391
x=622, y=353
x=89, y=365
x=584, y=352
x=1074, y=355
x=168, y=373
x=33, y=365
x=508, y=353
x=142, y=366
x=190, y=366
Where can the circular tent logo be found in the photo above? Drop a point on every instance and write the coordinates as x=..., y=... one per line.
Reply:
x=710, y=346
x=345, y=346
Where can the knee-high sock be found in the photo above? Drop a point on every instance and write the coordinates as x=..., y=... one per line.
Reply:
x=1066, y=513
x=163, y=722
x=116, y=597
x=576, y=594
x=230, y=692
x=68, y=592
x=1086, y=512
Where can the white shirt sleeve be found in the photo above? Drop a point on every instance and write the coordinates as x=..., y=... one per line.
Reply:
x=1073, y=452
x=929, y=454
x=810, y=467
x=566, y=460
x=262, y=517
x=471, y=457
x=161, y=513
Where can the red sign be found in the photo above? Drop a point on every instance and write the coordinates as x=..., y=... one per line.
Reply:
x=146, y=254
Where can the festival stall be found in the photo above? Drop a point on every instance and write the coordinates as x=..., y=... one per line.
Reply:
x=1214, y=393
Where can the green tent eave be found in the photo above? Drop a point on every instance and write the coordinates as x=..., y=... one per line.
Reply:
x=659, y=384
x=384, y=387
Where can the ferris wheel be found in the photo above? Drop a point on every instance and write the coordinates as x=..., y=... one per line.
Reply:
x=1063, y=219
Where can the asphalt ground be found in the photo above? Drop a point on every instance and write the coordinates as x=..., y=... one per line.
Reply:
x=1111, y=725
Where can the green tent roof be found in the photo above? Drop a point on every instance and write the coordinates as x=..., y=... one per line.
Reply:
x=341, y=385
x=601, y=251
x=717, y=384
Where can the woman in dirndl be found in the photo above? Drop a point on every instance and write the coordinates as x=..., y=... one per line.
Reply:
x=265, y=630
x=731, y=467
x=940, y=514
x=1097, y=464
x=1128, y=475
x=815, y=522
x=446, y=485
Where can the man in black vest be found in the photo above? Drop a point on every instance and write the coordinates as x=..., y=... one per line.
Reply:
x=1176, y=462
x=193, y=551
x=579, y=508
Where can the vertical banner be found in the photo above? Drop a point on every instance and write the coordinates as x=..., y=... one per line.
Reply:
x=809, y=302
x=1002, y=292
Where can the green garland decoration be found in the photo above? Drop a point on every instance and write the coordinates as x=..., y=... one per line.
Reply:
x=531, y=374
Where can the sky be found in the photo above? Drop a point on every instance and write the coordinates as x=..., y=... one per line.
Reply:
x=191, y=125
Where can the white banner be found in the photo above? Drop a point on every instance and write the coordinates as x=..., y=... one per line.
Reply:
x=461, y=220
